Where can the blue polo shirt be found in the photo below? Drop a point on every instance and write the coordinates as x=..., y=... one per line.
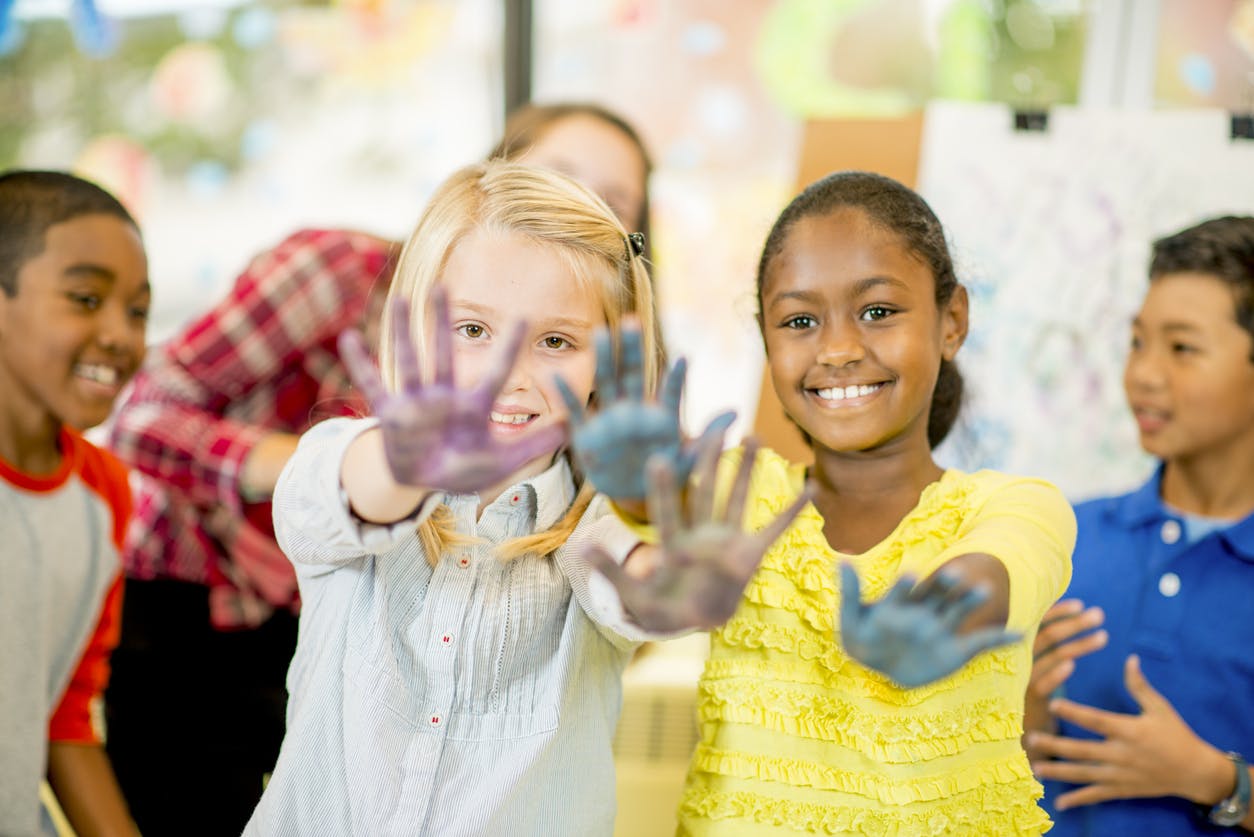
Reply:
x=1188, y=610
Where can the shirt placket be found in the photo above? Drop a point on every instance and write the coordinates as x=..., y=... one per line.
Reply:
x=436, y=633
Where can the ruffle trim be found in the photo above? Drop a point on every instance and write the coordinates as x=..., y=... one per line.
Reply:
x=803, y=554
x=824, y=653
x=891, y=737
x=993, y=810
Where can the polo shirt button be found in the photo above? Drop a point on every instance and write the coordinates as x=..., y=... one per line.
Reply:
x=1170, y=532
x=1169, y=584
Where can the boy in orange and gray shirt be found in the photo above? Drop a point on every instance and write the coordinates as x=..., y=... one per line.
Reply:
x=74, y=300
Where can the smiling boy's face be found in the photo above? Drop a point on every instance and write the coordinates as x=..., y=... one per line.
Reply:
x=73, y=333
x=1189, y=376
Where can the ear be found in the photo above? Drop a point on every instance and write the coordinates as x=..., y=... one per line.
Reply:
x=954, y=320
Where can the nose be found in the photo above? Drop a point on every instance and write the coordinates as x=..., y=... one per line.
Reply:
x=841, y=345
x=1142, y=370
x=118, y=333
x=521, y=375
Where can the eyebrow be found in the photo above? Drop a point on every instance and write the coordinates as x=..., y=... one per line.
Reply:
x=88, y=269
x=860, y=287
x=548, y=322
x=1170, y=325
x=871, y=282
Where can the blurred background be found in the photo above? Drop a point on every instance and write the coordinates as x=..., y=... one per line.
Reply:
x=225, y=125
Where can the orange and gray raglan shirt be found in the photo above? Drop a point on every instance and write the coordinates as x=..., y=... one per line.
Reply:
x=60, y=612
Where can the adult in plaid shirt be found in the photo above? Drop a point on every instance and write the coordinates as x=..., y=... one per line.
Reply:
x=197, y=700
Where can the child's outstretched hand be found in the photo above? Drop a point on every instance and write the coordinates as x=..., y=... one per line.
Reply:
x=613, y=445
x=435, y=435
x=910, y=634
x=704, y=559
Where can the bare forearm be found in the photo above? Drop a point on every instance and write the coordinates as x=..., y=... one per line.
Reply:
x=980, y=570
x=264, y=463
x=372, y=492
x=82, y=779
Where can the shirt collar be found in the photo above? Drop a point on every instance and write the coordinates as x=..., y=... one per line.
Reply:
x=547, y=495
x=1145, y=505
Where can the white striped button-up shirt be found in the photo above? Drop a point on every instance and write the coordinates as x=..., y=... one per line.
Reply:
x=476, y=697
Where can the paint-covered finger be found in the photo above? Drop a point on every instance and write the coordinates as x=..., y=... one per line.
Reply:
x=409, y=370
x=631, y=364
x=606, y=375
x=673, y=386
x=491, y=385
x=735, y=512
x=361, y=369
x=704, y=477
x=663, y=499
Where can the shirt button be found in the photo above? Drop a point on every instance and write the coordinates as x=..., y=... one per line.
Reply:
x=515, y=499
x=1170, y=532
x=435, y=720
x=447, y=639
x=1169, y=584
x=463, y=562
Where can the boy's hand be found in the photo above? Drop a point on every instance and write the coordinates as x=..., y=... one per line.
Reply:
x=435, y=435
x=1054, y=654
x=910, y=635
x=612, y=446
x=1154, y=753
x=705, y=559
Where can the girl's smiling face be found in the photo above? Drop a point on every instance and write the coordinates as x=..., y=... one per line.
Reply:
x=496, y=280
x=853, y=335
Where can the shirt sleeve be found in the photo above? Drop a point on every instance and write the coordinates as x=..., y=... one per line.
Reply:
x=596, y=596
x=299, y=295
x=75, y=719
x=1030, y=527
x=312, y=520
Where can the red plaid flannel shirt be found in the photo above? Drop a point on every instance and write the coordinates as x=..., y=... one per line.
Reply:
x=262, y=360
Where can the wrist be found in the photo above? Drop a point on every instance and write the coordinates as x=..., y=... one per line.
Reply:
x=1212, y=781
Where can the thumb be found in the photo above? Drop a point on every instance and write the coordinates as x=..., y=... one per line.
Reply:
x=1139, y=687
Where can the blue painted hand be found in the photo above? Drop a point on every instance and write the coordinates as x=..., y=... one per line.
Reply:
x=705, y=559
x=911, y=635
x=612, y=445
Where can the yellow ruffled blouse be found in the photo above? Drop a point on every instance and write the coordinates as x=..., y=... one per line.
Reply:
x=797, y=738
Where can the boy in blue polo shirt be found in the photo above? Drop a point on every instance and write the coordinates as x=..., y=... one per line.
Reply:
x=1153, y=646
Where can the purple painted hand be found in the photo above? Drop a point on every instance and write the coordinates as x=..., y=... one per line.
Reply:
x=613, y=444
x=435, y=435
x=705, y=559
x=911, y=634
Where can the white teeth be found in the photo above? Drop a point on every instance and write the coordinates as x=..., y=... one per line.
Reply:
x=851, y=391
x=106, y=375
x=511, y=418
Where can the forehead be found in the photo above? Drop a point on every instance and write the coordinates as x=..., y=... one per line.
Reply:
x=581, y=136
x=507, y=273
x=1201, y=300
x=842, y=247
x=97, y=240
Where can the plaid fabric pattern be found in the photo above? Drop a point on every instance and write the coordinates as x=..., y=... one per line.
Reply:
x=262, y=360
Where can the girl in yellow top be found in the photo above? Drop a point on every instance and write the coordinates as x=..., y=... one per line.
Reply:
x=844, y=695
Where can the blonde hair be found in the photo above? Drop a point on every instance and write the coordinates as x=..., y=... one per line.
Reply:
x=551, y=210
